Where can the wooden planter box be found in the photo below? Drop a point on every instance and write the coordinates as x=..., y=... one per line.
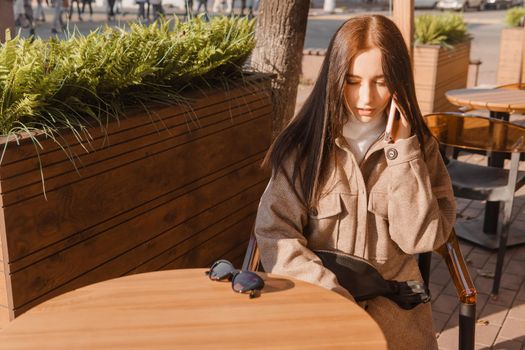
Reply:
x=510, y=56
x=178, y=188
x=437, y=70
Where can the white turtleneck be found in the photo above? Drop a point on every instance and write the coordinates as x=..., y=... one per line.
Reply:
x=360, y=136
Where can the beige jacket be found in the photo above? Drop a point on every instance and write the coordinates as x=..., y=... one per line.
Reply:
x=396, y=203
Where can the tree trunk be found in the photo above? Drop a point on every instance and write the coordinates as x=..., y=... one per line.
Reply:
x=6, y=18
x=280, y=33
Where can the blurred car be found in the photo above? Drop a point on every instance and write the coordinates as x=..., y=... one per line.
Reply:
x=499, y=4
x=429, y=4
x=458, y=5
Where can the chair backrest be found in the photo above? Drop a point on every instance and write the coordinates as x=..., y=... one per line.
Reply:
x=476, y=133
x=251, y=258
x=490, y=183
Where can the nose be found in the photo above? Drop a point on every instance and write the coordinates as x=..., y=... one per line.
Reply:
x=366, y=94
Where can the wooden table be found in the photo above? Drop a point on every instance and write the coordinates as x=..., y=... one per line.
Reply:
x=500, y=103
x=184, y=309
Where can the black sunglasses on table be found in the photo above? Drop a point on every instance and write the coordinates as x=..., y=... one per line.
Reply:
x=242, y=281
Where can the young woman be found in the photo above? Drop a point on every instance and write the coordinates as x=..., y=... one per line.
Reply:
x=337, y=185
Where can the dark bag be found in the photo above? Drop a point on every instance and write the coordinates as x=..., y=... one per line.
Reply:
x=364, y=282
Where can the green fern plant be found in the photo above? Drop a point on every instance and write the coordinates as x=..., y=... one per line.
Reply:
x=513, y=16
x=444, y=30
x=82, y=80
x=86, y=80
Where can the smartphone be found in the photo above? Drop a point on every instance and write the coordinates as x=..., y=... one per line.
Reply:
x=390, y=122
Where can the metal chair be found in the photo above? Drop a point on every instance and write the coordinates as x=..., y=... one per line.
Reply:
x=479, y=182
x=476, y=63
x=451, y=253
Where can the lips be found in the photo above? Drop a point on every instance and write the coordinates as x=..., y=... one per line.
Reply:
x=365, y=111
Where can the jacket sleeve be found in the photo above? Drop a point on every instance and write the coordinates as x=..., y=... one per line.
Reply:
x=281, y=217
x=421, y=204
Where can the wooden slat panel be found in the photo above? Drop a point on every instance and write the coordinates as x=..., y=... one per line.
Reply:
x=174, y=253
x=139, y=147
x=129, y=215
x=59, y=183
x=510, y=56
x=197, y=99
x=156, y=192
x=452, y=73
x=61, y=267
x=425, y=78
x=215, y=248
x=236, y=254
x=36, y=223
x=177, y=241
x=437, y=70
x=56, y=163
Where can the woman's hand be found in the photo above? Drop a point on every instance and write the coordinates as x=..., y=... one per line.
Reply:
x=401, y=128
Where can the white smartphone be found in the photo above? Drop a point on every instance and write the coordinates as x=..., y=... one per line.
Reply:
x=390, y=122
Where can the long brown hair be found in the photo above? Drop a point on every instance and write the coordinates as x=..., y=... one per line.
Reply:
x=310, y=136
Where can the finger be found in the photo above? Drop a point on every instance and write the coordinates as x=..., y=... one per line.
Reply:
x=403, y=118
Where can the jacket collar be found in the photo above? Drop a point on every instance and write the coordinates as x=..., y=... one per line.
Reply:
x=379, y=144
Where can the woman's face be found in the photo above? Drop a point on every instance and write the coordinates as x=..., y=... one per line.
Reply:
x=366, y=93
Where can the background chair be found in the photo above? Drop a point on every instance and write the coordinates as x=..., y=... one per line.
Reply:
x=478, y=182
x=451, y=253
x=476, y=63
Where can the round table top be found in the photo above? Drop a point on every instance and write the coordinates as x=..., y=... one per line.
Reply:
x=184, y=309
x=495, y=100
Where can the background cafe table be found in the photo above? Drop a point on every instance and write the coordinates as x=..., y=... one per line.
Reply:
x=184, y=309
x=500, y=103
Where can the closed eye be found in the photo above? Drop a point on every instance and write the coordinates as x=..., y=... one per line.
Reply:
x=352, y=80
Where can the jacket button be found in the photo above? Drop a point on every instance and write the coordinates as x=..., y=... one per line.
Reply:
x=391, y=153
x=313, y=211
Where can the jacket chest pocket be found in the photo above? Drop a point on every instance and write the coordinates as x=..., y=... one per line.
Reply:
x=324, y=221
x=381, y=246
x=378, y=204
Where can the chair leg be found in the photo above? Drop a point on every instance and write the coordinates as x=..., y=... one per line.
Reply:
x=455, y=153
x=424, y=261
x=467, y=326
x=504, y=235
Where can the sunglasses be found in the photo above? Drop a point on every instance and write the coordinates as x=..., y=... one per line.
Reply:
x=242, y=281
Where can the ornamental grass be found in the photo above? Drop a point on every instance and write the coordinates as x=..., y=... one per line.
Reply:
x=87, y=80
x=514, y=16
x=444, y=30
